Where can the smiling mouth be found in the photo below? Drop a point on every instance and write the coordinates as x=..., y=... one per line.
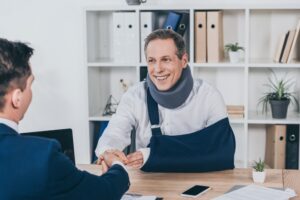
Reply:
x=161, y=78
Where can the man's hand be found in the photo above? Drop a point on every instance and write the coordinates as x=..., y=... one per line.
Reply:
x=108, y=157
x=135, y=159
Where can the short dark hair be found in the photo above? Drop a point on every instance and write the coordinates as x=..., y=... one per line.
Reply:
x=14, y=67
x=167, y=34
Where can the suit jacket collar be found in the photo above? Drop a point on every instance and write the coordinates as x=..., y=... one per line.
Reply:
x=5, y=130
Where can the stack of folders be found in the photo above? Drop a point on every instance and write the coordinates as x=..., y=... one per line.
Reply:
x=235, y=111
x=286, y=45
x=209, y=36
x=125, y=41
x=177, y=21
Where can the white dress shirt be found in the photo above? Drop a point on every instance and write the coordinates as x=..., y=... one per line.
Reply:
x=203, y=107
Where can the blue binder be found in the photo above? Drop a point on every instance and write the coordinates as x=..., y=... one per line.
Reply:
x=97, y=135
x=183, y=24
x=172, y=20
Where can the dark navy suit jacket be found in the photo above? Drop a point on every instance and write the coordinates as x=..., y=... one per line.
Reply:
x=34, y=168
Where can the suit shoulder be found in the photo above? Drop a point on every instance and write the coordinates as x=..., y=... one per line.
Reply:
x=41, y=143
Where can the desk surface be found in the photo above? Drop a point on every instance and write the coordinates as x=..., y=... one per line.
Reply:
x=170, y=185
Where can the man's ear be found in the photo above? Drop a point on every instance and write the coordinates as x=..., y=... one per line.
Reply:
x=184, y=60
x=16, y=98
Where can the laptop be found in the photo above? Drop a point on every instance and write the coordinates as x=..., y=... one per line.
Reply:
x=63, y=136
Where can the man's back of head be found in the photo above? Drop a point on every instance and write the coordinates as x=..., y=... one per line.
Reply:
x=15, y=71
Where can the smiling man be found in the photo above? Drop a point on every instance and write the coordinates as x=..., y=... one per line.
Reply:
x=183, y=105
x=165, y=65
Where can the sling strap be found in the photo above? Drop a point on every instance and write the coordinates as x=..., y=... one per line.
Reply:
x=153, y=114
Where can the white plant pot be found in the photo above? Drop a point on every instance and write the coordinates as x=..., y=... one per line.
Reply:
x=234, y=56
x=258, y=177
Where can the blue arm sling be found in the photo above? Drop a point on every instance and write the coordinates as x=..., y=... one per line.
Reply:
x=210, y=149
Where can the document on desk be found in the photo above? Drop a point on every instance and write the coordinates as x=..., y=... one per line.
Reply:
x=137, y=197
x=256, y=192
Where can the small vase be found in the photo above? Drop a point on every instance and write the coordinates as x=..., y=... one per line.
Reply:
x=279, y=108
x=234, y=56
x=258, y=177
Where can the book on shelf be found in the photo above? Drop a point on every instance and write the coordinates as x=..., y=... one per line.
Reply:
x=288, y=46
x=235, y=111
x=279, y=48
x=295, y=41
x=283, y=46
x=236, y=115
x=235, y=108
x=276, y=146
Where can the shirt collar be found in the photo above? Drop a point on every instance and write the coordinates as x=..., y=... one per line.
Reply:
x=10, y=124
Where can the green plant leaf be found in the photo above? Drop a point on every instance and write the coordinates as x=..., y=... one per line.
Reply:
x=259, y=166
x=233, y=47
x=279, y=89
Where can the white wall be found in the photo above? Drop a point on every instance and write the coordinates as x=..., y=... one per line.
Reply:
x=55, y=30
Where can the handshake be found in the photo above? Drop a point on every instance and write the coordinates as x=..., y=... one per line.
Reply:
x=108, y=158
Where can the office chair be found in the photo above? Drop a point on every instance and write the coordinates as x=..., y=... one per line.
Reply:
x=63, y=136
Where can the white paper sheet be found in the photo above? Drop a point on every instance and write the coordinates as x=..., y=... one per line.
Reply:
x=137, y=197
x=255, y=192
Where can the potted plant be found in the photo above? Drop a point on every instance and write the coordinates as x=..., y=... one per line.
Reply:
x=233, y=51
x=279, y=97
x=258, y=173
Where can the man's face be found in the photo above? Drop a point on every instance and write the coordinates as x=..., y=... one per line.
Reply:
x=27, y=96
x=164, y=67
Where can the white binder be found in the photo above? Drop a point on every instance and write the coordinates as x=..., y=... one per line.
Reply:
x=146, y=29
x=118, y=36
x=130, y=41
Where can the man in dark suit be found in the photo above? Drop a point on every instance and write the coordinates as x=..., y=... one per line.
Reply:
x=35, y=168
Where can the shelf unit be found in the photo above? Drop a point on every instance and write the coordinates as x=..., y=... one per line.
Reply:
x=257, y=29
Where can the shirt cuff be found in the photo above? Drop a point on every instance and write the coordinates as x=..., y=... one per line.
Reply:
x=119, y=163
x=146, y=154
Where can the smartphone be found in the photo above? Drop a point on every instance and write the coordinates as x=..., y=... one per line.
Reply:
x=195, y=191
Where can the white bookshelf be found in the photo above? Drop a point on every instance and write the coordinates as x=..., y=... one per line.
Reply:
x=256, y=27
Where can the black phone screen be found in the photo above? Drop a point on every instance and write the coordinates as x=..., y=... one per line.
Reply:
x=195, y=190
